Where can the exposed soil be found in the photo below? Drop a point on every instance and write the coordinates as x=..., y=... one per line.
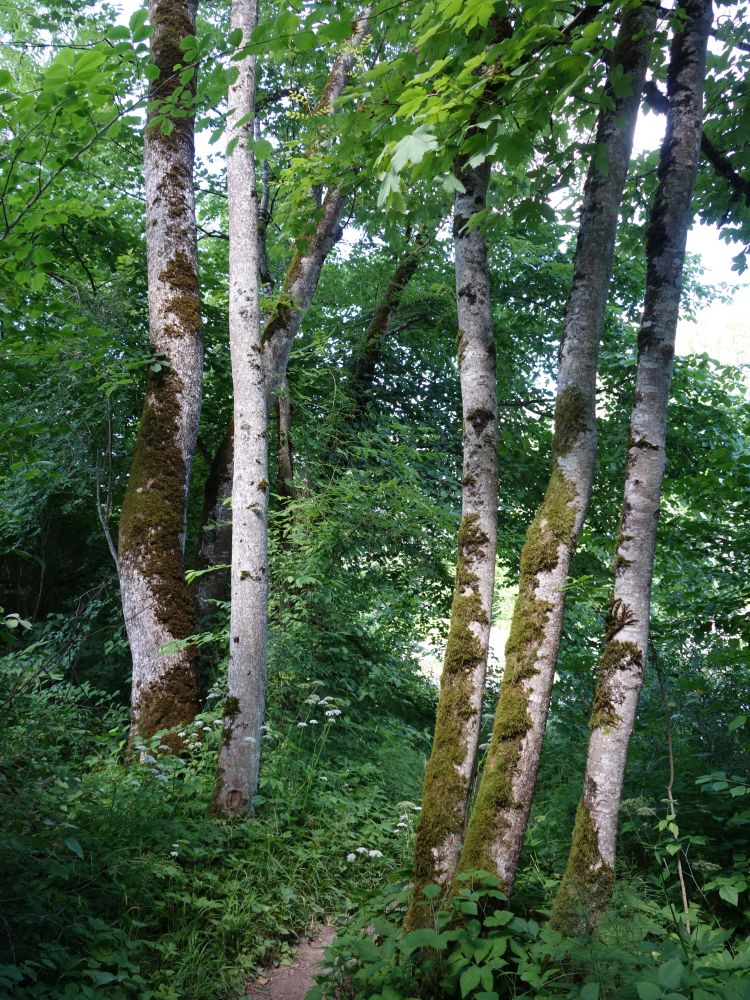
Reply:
x=291, y=982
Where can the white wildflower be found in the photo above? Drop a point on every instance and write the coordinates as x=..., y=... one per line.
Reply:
x=361, y=850
x=301, y=725
x=402, y=826
x=161, y=777
x=351, y=857
x=174, y=854
x=163, y=746
x=375, y=854
x=313, y=722
x=182, y=734
x=135, y=784
x=333, y=712
x=218, y=722
x=323, y=777
x=148, y=759
x=206, y=729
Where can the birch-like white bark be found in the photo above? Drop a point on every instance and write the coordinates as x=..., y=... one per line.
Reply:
x=298, y=290
x=239, y=757
x=157, y=605
x=498, y=822
x=450, y=770
x=587, y=885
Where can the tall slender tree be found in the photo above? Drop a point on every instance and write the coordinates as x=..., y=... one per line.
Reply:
x=450, y=770
x=157, y=605
x=259, y=361
x=239, y=757
x=586, y=887
x=298, y=289
x=498, y=821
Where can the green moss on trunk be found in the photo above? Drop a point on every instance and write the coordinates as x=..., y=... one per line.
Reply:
x=151, y=528
x=445, y=792
x=552, y=526
x=586, y=888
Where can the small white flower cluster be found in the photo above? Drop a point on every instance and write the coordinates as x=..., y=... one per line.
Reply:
x=175, y=852
x=330, y=711
x=161, y=769
x=363, y=851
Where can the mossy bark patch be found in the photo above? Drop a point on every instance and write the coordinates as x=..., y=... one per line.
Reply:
x=552, y=526
x=586, y=888
x=150, y=538
x=572, y=418
x=184, y=302
x=446, y=789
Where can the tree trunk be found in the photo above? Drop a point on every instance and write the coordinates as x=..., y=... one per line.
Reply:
x=258, y=365
x=498, y=821
x=215, y=547
x=284, y=452
x=450, y=770
x=298, y=289
x=239, y=757
x=586, y=888
x=157, y=605
x=365, y=361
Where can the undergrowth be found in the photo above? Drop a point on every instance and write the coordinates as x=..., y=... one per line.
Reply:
x=116, y=882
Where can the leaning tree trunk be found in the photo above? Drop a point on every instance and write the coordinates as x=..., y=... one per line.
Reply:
x=498, y=821
x=450, y=769
x=298, y=289
x=586, y=887
x=157, y=604
x=239, y=757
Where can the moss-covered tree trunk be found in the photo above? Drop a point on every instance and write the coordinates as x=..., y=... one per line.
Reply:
x=300, y=282
x=586, y=888
x=450, y=770
x=498, y=822
x=157, y=605
x=239, y=756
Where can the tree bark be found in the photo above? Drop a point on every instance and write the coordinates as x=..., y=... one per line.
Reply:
x=258, y=364
x=586, y=887
x=498, y=822
x=157, y=605
x=300, y=283
x=239, y=757
x=450, y=770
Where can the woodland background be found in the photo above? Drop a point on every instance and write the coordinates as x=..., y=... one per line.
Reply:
x=116, y=880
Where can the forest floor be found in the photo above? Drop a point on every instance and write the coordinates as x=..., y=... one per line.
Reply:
x=292, y=982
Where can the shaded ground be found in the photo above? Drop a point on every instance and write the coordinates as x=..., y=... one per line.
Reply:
x=291, y=982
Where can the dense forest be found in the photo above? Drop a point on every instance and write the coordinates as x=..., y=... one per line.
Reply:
x=373, y=556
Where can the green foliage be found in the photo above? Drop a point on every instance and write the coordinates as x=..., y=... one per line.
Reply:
x=480, y=949
x=115, y=876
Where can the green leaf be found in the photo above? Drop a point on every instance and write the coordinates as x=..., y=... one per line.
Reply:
x=72, y=844
x=648, y=991
x=188, y=42
x=138, y=20
x=729, y=894
x=470, y=979
x=151, y=72
x=263, y=149
x=431, y=891
x=670, y=974
x=235, y=37
x=425, y=937
x=737, y=721
x=590, y=992
x=412, y=149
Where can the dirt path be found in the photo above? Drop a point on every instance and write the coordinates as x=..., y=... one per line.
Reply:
x=291, y=982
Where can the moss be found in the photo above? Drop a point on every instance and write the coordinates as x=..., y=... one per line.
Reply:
x=166, y=705
x=445, y=791
x=552, y=526
x=586, y=888
x=571, y=419
x=615, y=656
x=171, y=23
x=151, y=527
x=180, y=274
